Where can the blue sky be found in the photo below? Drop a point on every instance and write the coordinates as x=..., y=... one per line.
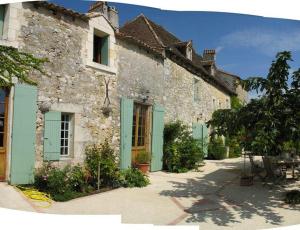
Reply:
x=246, y=45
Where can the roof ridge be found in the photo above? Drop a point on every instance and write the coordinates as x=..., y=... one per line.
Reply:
x=152, y=30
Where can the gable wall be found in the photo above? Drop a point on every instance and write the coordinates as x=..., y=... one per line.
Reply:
x=71, y=85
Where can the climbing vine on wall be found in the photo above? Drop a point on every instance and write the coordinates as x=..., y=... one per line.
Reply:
x=14, y=63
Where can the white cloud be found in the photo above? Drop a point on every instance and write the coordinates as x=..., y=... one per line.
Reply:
x=268, y=42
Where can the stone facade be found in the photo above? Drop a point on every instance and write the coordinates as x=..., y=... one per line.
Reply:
x=72, y=85
x=168, y=84
x=76, y=85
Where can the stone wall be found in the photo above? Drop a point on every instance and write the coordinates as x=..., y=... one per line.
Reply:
x=168, y=84
x=70, y=85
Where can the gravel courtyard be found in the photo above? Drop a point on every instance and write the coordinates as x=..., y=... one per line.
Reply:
x=211, y=198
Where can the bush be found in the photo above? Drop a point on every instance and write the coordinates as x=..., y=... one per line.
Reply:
x=133, y=177
x=216, y=149
x=181, y=151
x=292, y=197
x=62, y=184
x=235, y=150
x=109, y=170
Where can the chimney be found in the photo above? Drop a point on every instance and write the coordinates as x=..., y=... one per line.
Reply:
x=109, y=12
x=209, y=58
x=113, y=16
x=209, y=55
x=99, y=7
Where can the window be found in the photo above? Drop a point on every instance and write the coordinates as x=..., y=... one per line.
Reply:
x=66, y=134
x=214, y=103
x=227, y=104
x=100, y=53
x=2, y=16
x=139, y=125
x=196, y=90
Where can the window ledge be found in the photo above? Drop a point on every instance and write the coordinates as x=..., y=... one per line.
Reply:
x=5, y=42
x=104, y=68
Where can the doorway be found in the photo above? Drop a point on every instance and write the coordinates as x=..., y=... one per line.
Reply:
x=140, y=129
x=3, y=131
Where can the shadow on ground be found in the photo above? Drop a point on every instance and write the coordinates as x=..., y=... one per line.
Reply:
x=219, y=198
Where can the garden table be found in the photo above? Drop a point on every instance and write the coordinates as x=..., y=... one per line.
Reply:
x=289, y=163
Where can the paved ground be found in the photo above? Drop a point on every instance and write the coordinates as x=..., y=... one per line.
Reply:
x=211, y=198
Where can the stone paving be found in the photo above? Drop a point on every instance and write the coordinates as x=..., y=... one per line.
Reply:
x=211, y=198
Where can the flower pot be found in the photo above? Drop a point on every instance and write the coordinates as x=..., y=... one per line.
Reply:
x=246, y=180
x=144, y=168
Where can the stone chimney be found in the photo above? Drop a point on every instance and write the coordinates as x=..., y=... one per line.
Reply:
x=99, y=7
x=113, y=16
x=209, y=55
x=109, y=12
x=209, y=60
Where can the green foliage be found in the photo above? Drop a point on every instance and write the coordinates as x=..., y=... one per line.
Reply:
x=235, y=150
x=143, y=157
x=292, y=197
x=216, y=149
x=133, y=177
x=14, y=63
x=106, y=158
x=181, y=151
x=62, y=184
x=235, y=103
x=265, y=124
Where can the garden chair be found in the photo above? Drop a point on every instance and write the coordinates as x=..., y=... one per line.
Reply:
x=275, y=174
x=256, y=169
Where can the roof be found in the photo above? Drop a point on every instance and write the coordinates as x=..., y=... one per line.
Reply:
x=52, y=6
x=145, y=32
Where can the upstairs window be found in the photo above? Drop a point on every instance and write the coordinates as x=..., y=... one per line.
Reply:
x=2, y=16
x=100, y=53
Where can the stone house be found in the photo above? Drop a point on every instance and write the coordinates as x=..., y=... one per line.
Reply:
x=102, y=83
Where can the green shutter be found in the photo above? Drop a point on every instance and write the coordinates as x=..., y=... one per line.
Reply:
x=126, y=132
x=52, y=136
x=23, y=134
x=200, y=132
x=205, y=139
x=2, y=15
x=104, y=50
x=157, y=138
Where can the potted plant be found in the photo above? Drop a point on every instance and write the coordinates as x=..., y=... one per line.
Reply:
x=142, y=161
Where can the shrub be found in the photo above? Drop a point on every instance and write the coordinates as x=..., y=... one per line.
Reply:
x=142, y=157
x=181, y=151
x=216, y=149
x=62, y=184
x=235, y=150
x=105, y=157
x=292, y=197
x=133, y=177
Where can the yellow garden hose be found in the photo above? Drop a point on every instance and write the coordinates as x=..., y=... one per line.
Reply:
x=36, y=195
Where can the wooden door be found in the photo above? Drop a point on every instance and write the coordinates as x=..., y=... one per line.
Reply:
x=3, y=132
x=140, y=130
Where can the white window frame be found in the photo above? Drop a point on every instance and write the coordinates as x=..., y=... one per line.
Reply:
x=69, y=139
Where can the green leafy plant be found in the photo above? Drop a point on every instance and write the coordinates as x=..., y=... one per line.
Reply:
x=102, y=160
x=269, y=121
x=216, y=149
x=235, y=150
x=14, y=63
x=143, y=157
x=133, y=177
x=181, y=151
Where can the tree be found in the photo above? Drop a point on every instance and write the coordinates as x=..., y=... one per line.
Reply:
x=268, y=122
x=14, y=63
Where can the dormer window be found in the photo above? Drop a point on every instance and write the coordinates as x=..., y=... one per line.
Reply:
x=100, y=49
